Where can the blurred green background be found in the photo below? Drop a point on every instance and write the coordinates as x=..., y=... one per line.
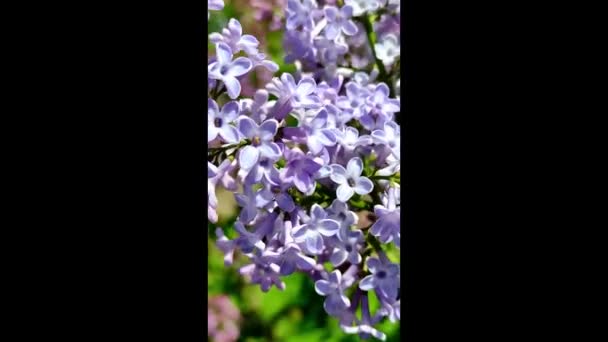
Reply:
x=295, y=314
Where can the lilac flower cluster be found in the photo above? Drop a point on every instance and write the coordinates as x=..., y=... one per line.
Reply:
x=223, y=319
x=310, y=153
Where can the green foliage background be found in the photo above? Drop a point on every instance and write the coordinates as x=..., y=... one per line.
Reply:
x=295, y=314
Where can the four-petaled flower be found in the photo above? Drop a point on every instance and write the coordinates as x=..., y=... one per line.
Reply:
x=350, y=180
x=218, y=122
x=311, y=233
x=339, y=20
x=227, y=70
x=336, y=302
x=262, y=143
x=384, y=278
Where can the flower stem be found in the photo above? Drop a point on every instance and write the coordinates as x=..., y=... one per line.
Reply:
x=371, y=37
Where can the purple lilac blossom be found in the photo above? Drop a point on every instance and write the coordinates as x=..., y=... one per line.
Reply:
x=227, y=70
x=219, y=123
x=335, y=301
x=284, y=172
x=338, y=20
x=310, y=234
x=350, y=180
x=384, y=278
x=262, y=144
x=387, y=225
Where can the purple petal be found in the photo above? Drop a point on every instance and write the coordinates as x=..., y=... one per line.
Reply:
x=354, y=168
x=306, y=86
x=381, y=92
x=229, y=134
x=212, y=108
x=317, y=212
x=212, y=132
x=248, y=157
x=230, y=111
x=247, y=127
x=334, y=304
x=320, y=119
x=270, y=150
x=310, y=166
x=314, y=145
x=346, y=11
x=233, y=86
x=367, y=283
x=249, y=40
x=332, y=30
x=330, y=13
x=338, y=257
x=299, y=233
x=224, y=53
x=373, y=264
x=303, y=182
x=390, y=107
x=268, y=129
x=338, y=174
x=363, y=186
x=235, y=26
x=326, y=137
x=285, y=202
x=239, y=67
x=314, y=242
x=392, y=270
x=323, y=287
x=349, y=28
x=304, y=262
x=344, y=192
x=335, y=277
x=328, y=227
x=287, y=267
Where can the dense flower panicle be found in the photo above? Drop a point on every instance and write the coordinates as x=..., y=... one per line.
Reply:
x=309, y=153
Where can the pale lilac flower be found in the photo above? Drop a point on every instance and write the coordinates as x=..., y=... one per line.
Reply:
x=362, y=6
x=293, y=259
x=350, y=180
x=355, y=99
x=227, y=70
x=262, y=143
x=390, y=136
x=364, y=327
x=339, y=212
x=247, y=202
x=264, y=270
x=388, y=222
x=300, y=170
x=347, y=248
x=338, y=20
x=388, y=49
x=384, y=278
x=336, y=302
x=318, y=135
x=215, y=5
x=330, y=51
x=234, y=38
x=349, y=139
x=310, y=234
x=301, y=95
x=276, y=193
x=300, y=14
x=219, y=123
x=379, y=100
